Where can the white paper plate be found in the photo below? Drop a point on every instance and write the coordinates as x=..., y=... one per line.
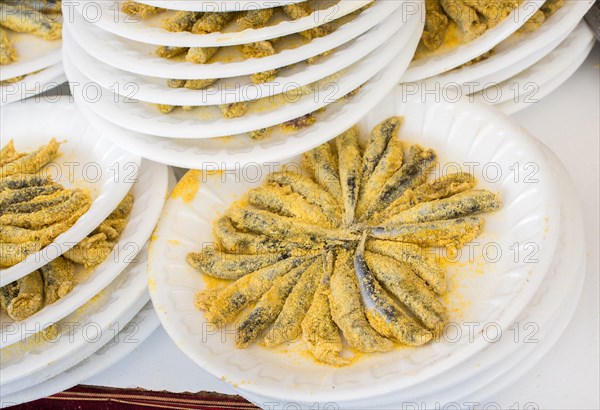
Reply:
x=208, y=122
x=86, y=330
x=234, y=89
x=149, y=193
x=239, y=150
x=107, y=16
x=506, y=360
x=497, y=292
x=139, y=58
x=542, y=321
x=105, y=169
x=217, y=5
x=520, y=50
x=34, y=54
x=127, y=340
x=33, y=84
x=539, y=80
x=445, y=60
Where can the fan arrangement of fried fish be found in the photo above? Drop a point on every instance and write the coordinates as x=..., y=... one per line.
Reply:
x=340, y=251
x=41, y=18
x=28, y=295
x=447, y=20
x=33, y=208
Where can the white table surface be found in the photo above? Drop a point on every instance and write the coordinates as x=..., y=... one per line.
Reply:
x=568, y=121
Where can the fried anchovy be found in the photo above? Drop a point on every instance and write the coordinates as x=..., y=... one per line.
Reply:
x=349, y=159
x=311, y=191
x=199, y=84
x=255, y=18
x=410, y=290
x=170, y=52
x=24, y=181
x=211, y=22
x=234, y=241
x=283, y=201
x=465, y=17
x=33, y=162
x=288, y=325
x=8, y=53
x=90, y=251
x=348, y=312
x=382, y=312
x=201, y=55
x=79, y=203
x=39, y=202
x=29, y=21
x=13, y=253
x=268, y=308
x=321, y=163
x=24, y=297
x=436, y=25
x=8, y=153
x=59, y=279
x=180, y=21
x=460, y=205
x=383, y=157
x=412, y=173
x=230, y=266
x=273, y=225
x=319, y=331
x=248, y=289
x=493, y=12
x=234, y=110
x=18, y=196
x=413, y=256
x=442, y=187
x=452, y=233
x=134, y=8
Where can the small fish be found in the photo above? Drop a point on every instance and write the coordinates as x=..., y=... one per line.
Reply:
x=349, y=158
x=411, y=291
x=386, y=154
x=382, y=312
x=453, y=233
x=412, y=173
x=33, y=162
x=288, y=325
x=268, y=308
x=231, y=266
x=348, y=312
x=323, y=166
x=201, y=55
x=59, y=279
x=248, y=289
x=180, y=21
x=78, y=204
x=24, y=297
x=283, y=201
x=458, y=206
x=439, y=188
x=412, y=256
x=211, y=22
x=255, y=18
x=319, y=331
x=311, y=191
x=266, y=223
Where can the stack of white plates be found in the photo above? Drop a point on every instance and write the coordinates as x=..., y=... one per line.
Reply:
x=523, y=68
x=371, y=48
x=511, y=304
x=110, y=295
x=39, y=61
